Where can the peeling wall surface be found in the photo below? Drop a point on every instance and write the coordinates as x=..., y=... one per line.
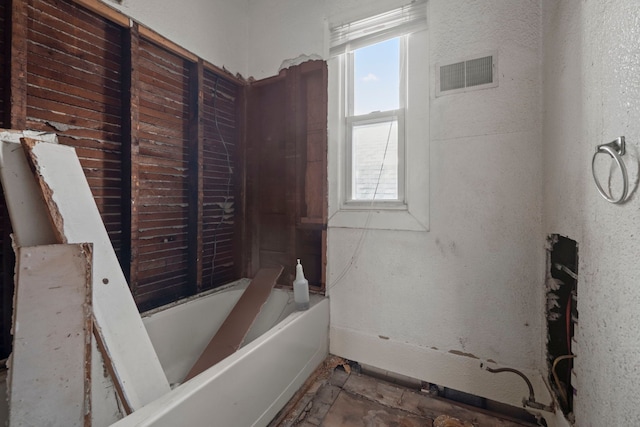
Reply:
x=592, y=95
x=215, y=30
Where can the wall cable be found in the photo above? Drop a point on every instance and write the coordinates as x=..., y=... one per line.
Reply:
x=358, y=249
x=365, y=229
x=227, y=196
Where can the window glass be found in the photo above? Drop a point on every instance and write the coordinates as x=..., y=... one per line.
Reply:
x=375, y=161
x=376, y=80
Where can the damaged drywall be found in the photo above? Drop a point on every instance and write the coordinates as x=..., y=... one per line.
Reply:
x=300, y=59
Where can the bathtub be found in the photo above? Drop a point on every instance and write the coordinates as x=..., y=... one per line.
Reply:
x=248, y=388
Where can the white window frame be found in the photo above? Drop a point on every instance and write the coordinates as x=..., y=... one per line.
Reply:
x=411, y=210
x=352, y=120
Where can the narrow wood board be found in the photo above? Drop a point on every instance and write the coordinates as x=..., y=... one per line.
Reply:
x=27, y=210
x=234, y=329
x=50, y=367
x=76, y=219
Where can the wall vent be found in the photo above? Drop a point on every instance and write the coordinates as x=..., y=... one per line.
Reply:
x=472, y=74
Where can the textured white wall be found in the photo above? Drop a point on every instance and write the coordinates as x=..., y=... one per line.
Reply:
x=429, y=303
x=592, y=95
x=215, y=30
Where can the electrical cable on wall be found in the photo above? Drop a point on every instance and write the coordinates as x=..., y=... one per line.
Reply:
x=365, y=229
x=223, y=206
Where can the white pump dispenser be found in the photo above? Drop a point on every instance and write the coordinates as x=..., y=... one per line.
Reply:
x=300, y=289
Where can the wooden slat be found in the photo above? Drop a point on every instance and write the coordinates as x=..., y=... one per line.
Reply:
x=17, y=114
x=130, y=155
x=163, y=165
x=196, y=195
x=74, y=88
x=233, y=330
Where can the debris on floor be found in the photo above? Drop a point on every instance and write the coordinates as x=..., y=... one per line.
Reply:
x=447, y=421
x=337, y=395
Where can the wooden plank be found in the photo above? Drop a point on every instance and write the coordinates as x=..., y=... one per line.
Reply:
x=195, y=180
x=235, y=327
x=50, y=365
x=27, y=210
x=17, y=82
x=76, y=217
x=105, y=11
x=130, y=156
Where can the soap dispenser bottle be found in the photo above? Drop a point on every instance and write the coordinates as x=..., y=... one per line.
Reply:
x=300, y=289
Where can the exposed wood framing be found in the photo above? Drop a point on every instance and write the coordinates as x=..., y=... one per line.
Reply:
x=195, y=171
x=16, y=109
x=130, y=153
x=286, y=172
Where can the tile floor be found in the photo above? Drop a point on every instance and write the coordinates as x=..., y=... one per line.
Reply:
x=334, y=397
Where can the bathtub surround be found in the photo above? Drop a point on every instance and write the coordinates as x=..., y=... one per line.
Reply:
x=282, y=349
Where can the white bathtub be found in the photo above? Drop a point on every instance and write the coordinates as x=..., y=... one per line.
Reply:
x=249, y=387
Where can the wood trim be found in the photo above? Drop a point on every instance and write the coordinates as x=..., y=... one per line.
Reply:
x=130, y=154
x=105, y=11
x=195, y=179
x=162, y=41
x=238, y=79
x=17, y=82
x=123, y=20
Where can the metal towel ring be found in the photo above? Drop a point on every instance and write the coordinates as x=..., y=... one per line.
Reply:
x=615, y=149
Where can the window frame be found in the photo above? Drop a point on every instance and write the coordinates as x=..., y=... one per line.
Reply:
x=350, y=120
x=413, y=215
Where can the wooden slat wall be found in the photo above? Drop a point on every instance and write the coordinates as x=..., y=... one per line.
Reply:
x=219, y=180
x=163, y=168
x=74, y=88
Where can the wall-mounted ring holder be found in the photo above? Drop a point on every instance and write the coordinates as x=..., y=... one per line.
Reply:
x=615, y=149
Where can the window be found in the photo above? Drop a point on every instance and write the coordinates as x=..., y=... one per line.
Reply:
x=374, y=123
x=378, y=121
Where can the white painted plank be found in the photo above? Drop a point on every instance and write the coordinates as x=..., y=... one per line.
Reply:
x=50, y=364
x=28, y=212
x=71, y=203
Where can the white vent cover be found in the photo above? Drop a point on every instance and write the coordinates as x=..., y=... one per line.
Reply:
x=478, y=73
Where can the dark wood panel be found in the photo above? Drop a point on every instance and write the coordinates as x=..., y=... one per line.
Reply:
x=163, y=202
x=286, y=171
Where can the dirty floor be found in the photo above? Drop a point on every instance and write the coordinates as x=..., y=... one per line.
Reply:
x=336, y=396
